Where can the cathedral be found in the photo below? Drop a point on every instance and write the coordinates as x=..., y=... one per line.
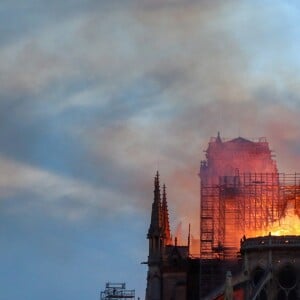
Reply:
x=247, y=250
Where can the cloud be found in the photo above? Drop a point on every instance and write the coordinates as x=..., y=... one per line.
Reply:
x=61, y=197
x=104, y=93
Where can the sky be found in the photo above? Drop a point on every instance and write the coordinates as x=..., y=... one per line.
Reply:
x=96, y=95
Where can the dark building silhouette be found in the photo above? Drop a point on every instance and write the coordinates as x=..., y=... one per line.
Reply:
x=167, y=263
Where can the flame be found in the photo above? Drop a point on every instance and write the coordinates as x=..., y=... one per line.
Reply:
x=288, y=225
x=195, y=247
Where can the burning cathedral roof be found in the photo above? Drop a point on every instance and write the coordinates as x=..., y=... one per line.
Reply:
x=239, y=155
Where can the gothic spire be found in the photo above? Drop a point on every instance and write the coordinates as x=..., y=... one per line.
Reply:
x=165, y=218
x=156, y=214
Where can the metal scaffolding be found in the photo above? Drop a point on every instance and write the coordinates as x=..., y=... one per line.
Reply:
x=116, y=291
x=240, y=205
x=242, y=194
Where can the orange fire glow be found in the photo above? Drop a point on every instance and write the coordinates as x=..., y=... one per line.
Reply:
x=288, y=225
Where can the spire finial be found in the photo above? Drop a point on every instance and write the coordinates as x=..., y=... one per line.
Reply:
x=156, y=180
x=218, y=139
